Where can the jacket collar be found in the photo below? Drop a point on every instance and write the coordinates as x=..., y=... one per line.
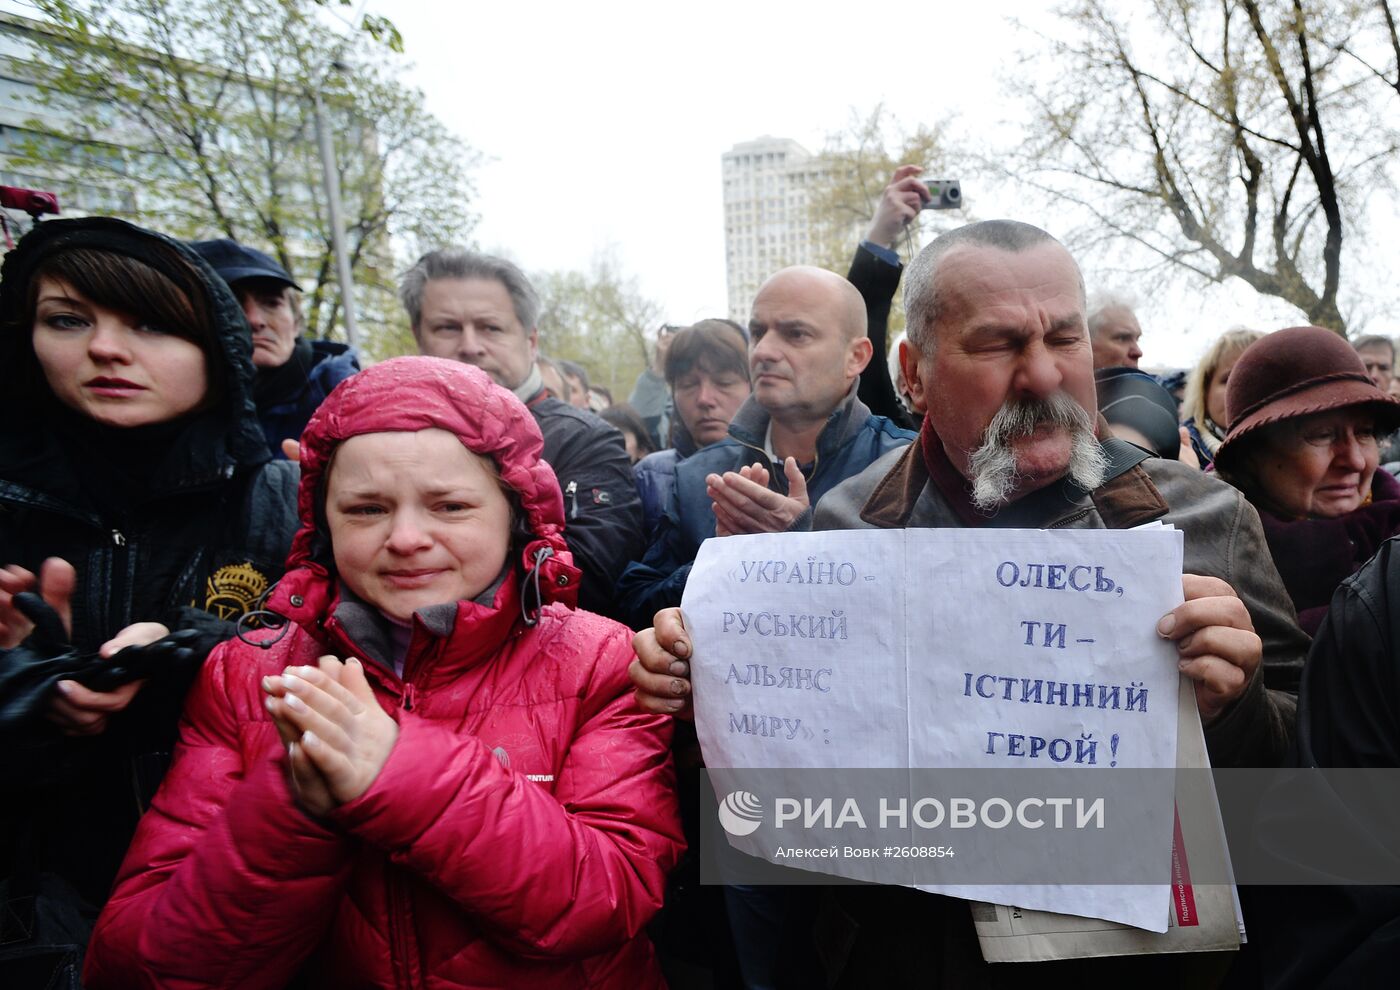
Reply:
x=38, y=469
x=681, y=440
x=446, y=639
x=750, y=423
x=908, y=495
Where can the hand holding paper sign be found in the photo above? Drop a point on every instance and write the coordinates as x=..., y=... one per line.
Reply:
x=661, y=671
x=943, y=649
x=1215, y=640
x=1214, y=636
x=744, y=503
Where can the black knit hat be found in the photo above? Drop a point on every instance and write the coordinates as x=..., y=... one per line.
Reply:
x=1128, y=397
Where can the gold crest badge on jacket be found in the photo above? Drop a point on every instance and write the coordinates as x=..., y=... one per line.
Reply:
x=234, y=590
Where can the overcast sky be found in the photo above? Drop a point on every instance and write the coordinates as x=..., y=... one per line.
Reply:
x=605, y=123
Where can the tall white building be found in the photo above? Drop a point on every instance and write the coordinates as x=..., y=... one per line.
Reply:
x=766, y=225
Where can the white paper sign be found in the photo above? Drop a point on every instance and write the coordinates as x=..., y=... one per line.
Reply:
x=947, y=648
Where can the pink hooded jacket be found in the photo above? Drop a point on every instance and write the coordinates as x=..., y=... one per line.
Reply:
x=518, y=836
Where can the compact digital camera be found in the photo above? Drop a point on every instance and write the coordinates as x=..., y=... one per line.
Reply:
x=944, y=194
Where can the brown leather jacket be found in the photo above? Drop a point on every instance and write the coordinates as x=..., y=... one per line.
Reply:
x=1223, y=538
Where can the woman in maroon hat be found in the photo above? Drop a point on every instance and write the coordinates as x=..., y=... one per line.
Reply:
x=1303, y=446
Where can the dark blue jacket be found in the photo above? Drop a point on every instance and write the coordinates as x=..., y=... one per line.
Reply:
x=655, y=475
x=285, y=413
x=852, y=440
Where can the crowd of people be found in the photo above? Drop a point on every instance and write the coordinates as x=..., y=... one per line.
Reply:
x=314, y=675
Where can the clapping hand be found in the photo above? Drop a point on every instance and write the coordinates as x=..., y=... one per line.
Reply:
x=338, y=737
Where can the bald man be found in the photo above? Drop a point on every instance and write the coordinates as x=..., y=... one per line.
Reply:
x=802, y=432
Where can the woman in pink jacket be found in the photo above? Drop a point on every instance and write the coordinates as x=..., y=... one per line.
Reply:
x=469, y=799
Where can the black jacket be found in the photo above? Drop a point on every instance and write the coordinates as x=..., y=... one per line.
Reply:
x=192, y=544
x=1348, y=716
x=288, y=396
x=876, y=280
x=602, y=511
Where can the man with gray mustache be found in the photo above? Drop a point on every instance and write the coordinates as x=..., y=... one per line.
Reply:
x=998, y=358
x=993, y=465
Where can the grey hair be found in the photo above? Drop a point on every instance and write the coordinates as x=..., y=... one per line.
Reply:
x=923, y=304
x=1373, y=340
x=460, y=263
x=1101, y=303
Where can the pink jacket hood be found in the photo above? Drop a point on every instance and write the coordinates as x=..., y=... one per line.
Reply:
x=418, y=393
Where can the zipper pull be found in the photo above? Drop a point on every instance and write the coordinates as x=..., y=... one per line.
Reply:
x=118, y=538
x=571, y=490
x=408, y=694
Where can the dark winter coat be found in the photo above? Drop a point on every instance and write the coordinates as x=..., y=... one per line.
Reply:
x=287, y=396
x=656, y=477
x=1313, y=556
x=193, y=546
x=1348, y=717
x=602, y=514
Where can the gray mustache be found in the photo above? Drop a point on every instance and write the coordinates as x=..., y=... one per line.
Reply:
x=995, y=479
x=1022, y=418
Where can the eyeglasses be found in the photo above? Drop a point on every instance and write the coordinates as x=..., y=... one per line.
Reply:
x=1324, y=437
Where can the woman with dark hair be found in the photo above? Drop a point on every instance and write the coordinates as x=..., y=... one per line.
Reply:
x=137, y=500
x=707, y=369
x=471, y=798
x=1304, y=447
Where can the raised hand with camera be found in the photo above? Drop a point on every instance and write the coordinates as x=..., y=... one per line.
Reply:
x=900, y=203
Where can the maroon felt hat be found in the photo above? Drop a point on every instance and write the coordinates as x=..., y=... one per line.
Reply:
x=1296, y=372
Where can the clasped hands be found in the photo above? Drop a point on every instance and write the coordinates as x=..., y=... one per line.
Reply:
x=338, y=738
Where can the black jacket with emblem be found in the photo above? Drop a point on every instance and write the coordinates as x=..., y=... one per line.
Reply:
x=186, y=524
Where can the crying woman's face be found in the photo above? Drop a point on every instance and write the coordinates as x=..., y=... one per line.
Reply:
x=415, y=520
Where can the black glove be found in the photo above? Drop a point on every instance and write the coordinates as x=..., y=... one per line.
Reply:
x=30, y=671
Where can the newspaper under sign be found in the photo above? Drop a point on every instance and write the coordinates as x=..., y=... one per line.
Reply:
x=947, y=648
x=1203, y=917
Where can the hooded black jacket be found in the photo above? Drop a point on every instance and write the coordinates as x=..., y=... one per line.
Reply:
x=192, y=541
